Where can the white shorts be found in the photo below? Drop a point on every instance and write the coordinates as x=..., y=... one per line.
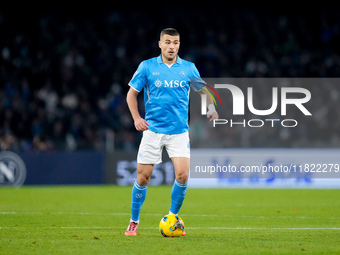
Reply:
x=152, y=144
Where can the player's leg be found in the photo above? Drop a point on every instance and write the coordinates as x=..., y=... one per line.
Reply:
x=178, y=148
x=149, y=153
x=138, y=196
x=179, y=188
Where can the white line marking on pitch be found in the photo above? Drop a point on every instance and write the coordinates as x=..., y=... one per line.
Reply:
x=158, y=214
x=193, y=228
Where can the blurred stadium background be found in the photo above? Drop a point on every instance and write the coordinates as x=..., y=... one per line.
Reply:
x=64, y=76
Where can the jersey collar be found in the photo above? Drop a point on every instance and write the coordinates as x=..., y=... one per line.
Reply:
x=160, y=61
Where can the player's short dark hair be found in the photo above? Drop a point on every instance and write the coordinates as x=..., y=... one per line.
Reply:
x=169, y=31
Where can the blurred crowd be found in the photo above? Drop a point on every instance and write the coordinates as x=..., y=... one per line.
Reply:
x=64, y=75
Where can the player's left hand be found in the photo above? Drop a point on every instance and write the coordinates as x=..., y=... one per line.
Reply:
x=212, y=115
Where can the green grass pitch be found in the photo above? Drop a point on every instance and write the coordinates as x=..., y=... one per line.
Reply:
x=93, y=219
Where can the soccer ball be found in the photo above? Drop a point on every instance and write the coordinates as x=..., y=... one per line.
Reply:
x=171, y=225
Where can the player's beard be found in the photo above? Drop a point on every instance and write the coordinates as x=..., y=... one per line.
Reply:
x=169, y=57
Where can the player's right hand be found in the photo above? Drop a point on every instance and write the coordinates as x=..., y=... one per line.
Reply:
x=141, y=124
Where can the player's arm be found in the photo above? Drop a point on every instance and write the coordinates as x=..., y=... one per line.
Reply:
x=211, y=113
x=131, y=99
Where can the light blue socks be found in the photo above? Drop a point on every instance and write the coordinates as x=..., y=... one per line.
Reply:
x=138, y=198
x=177, y=196
x=139, y=194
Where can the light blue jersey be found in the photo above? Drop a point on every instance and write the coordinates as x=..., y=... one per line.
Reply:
x=166, y=93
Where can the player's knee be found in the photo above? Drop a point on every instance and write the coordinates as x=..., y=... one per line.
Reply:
x=182, y=177
x=143, y=179
x=144, y=174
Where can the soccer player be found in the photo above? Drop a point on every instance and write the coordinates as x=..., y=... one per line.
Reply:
x=166, y=83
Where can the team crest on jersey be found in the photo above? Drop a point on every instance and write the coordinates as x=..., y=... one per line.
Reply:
x=158, y=83
x=183, y=74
